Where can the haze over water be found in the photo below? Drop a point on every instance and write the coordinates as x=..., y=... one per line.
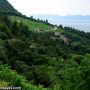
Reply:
x=76, y=21
x=80, y=26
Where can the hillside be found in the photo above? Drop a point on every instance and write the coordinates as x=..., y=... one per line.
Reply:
x=73, y=36
x=33, y=25
x=36, y=55
x=6, y=7
x=44, y=58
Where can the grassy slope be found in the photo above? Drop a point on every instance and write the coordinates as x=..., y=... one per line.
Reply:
x=32, y=25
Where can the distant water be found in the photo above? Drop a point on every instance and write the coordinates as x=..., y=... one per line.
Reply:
x=80, y=26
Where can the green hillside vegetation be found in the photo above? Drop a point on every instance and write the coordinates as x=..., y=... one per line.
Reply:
x=44, y=59
x=36, y=55
x=7, y=8
x=10, y=78
x=33, y=25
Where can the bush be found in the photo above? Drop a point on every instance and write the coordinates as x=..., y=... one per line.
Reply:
x=14, y=79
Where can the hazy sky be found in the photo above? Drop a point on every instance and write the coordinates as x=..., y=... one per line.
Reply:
x=55, y=7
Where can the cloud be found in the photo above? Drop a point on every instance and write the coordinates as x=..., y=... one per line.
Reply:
x=59, y=7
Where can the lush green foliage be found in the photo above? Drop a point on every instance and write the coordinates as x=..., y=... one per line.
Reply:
x=43, y=58
x=11, y=78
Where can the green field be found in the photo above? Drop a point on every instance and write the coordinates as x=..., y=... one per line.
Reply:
x=34, y=26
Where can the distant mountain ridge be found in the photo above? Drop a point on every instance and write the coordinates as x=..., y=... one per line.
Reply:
x=76, y=21
x=57, y=18
x=6, y=7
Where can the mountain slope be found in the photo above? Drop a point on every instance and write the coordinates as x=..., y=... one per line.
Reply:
x=43, y=58
x=55, y=58
x=6, y=7
x=32, y=25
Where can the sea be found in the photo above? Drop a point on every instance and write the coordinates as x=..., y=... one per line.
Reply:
x=84, y=26
x=80, y=26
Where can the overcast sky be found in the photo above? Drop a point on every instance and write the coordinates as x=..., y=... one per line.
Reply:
x=55, y=7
